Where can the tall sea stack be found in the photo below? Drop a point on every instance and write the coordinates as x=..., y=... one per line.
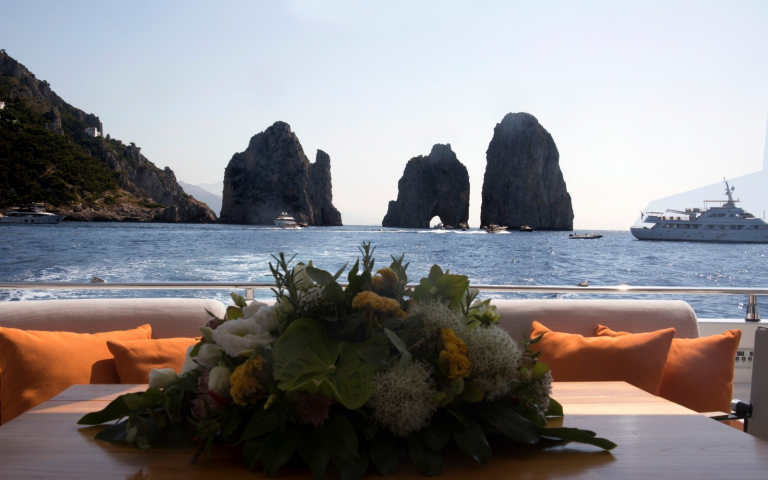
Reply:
x=523, y=184
x=272, y=176
x=435, y=185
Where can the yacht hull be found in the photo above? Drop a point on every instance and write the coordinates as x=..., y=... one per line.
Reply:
x=686, y=235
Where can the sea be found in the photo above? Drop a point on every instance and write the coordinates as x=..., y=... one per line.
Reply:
x=118, y=252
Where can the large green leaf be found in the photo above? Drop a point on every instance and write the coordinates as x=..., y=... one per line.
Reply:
x=339, y=436
x=278, y=448
x=307, y=359
x=577, y=435
x=321, y=277
x=262, y=422
x=555, y=409
x=471, y=440
x=509, y=422
x=312, y=451
x=116, y=409
x=252, y=452
x=383, y=452
x=429, y=460
x=452, y=288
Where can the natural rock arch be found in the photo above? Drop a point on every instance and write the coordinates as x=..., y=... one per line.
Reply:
x=435, y=185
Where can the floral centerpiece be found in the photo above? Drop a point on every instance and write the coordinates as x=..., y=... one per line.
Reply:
x=356, y=376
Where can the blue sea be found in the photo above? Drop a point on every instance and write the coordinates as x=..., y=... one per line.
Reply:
x=76, y=252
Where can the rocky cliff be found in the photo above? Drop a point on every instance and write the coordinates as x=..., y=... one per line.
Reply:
x=435, y=185
x=273, y=175
x=51, y=158
x=523, y=184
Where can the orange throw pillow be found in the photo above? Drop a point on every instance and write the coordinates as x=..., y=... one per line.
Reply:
x=699, y=371
x=638, y=360
x=135, y=358
x=39, y=365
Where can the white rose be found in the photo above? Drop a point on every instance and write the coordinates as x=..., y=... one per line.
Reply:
x=301, y=278
x=267, y=317
x=208, y=357
x=218, y=380
x=235, y=336
x=253, y=307
x=162, y=377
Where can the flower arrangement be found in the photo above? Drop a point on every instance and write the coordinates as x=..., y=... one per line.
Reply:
x=358, y=376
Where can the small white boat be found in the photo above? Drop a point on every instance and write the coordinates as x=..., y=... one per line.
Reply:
x=35, y=215
x=585, y=236
x=495, y=228
x=286, y=221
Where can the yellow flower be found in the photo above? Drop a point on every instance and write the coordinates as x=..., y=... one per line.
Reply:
x=385, y=279
x=453, y=358
x=246, y=386
x=376, y=306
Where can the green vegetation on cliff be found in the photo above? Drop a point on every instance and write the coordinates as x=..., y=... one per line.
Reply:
x=40, y=165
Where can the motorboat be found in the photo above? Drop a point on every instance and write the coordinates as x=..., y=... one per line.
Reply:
x=495, y=228
x=526, y=228
x=584, y=236
x=723, y=223
x=286, y=221
x=35, y=215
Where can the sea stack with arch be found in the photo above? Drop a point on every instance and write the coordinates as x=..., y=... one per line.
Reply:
x=273, y=176
x=523, y=183
x=435, y=185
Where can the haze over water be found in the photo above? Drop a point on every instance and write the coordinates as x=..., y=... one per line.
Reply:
x=75, y=252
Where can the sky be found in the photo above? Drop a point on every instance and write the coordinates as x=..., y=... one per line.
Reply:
x=643, y=99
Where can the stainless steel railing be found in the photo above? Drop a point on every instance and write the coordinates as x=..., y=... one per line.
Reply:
x=753, y=313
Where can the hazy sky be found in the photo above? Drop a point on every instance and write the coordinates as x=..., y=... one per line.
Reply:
x=643, y=99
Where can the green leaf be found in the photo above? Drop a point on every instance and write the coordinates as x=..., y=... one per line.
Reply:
x=262, y=422
x=321, y=277
x=471, y=440
x=278, y=448
x=406, y=358
x=540, y=369
x=339, y=436
x=113, y=433
x=424, y=457
x=233, y=312
x=375, y=354
x=555, y=409
x=437, y=434
x=252, y=452
x=453, y=288
x=396, y=341
x=425, y=291
x=472, y=393
x=333, y=293
x=238, y=299
x=116, y=409
x=509, y=422
x=312, y=451
x=341, y=270
x=383, y=452
x=435, y=273
x=306, y=359
x=352, y=468
x=577, y=435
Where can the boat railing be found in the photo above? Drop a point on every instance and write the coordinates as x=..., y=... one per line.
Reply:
x=752, y=311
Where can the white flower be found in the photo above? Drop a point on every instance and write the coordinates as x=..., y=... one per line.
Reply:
x=218, y=380
x=207, y=357
x=162, y=377
x=235, y=336
x=264, y=315
x=253, y=307
x=403, y=398
x=301, y=278
x=495, y=360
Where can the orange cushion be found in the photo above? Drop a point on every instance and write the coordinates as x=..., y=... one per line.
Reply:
x=39, y=365
x=699, y=371
x=135, y=358
x=638, y=360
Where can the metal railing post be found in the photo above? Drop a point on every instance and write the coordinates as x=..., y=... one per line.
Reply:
x=753, y=311
x=249, y=294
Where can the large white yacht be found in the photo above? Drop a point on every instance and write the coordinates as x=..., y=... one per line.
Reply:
x=286, y=221
x=724, y=223
x=35, y=215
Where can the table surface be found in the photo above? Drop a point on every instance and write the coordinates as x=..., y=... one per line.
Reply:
x=656, y=438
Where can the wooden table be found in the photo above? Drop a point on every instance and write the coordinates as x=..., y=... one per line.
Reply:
x=657, y=440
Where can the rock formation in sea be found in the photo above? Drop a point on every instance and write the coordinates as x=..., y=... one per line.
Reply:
x=523, y=184
x=273, y=175
x=435, y=185
x=59, y=156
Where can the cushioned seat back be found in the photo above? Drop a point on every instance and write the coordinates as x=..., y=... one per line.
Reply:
x=169, y=317
x=581, y=316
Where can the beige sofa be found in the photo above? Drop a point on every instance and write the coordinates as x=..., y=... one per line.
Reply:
x=181, y=317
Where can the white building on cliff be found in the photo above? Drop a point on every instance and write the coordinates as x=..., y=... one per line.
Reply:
x=93, y=132
x=2, y=105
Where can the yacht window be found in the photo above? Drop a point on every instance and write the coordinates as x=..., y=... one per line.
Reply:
x=675, y=226
x=666, y=225
x=712, y=214
x=731, y=215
